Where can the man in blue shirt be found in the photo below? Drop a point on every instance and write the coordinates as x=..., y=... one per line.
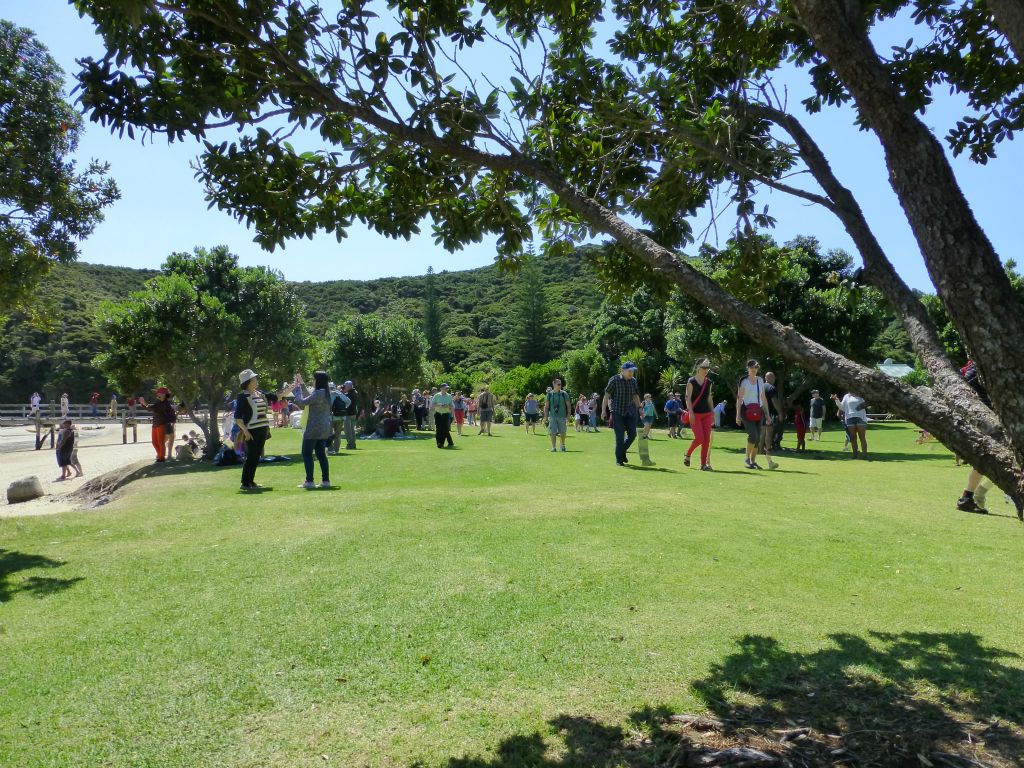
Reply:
x=622, y=400
x=672, y=409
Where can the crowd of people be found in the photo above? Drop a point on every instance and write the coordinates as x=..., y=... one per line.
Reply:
x=334, y=414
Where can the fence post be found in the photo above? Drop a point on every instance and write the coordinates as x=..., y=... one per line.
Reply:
x=124, y=430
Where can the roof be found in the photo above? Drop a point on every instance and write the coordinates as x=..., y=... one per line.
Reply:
x=896, y=370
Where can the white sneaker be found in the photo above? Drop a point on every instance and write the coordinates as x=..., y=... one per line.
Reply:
x=979, y=495
x=772, y=464
x=325, y=484
x=307, y=486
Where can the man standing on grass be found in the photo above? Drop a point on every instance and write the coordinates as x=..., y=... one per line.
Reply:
x=816, y=414
x=351, y=412
x=441, y=405
x=556, y=413
x=485, y=404
x=622, y=400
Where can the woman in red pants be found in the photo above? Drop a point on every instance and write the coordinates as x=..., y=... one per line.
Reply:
x=164, y=419
x=700, y=409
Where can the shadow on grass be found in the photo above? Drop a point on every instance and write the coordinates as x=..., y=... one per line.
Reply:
x=910, y=699
x=37, y=586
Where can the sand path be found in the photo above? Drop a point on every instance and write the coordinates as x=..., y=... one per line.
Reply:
x=100, y=451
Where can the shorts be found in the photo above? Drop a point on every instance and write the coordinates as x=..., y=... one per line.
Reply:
x=648, y=421
x=753, y=431
x=486, y=414
x=532, y=418
x=817, y=423
x=856, y=421
x=556, y=425
x=460, y=416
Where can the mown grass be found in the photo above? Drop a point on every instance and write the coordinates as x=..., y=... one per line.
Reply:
x=499, y=605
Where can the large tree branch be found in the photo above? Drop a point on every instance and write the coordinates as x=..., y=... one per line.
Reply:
x=961, y=261
x=1009, y=18
x=878, y=270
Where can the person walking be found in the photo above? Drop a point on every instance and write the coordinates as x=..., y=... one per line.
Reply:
x=622, y=403
x=164, y=420
x=816, y=415
x=319, y=426
x=251, y=417
x=531, y=412
x=471, y=411
x=557, y=407
x=33, y=403
x=65, y=406
x=595, y=407
x=856, y=419
x=485, y=402
x=94, y=405
x=973, y=497
x=771, y=424
x=64, y=445
x=459, y=411
x=441, y=405
x=671, y=409
x=751, y=409
x=582, y=414
x=112, y=408
x=351, y=413
x=702, y=417
x=647, y=415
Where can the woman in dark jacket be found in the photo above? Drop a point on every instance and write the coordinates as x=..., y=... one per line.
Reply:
x=251, y=409
x=165, y=417
x=319, y=429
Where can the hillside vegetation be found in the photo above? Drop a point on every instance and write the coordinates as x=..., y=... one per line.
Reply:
x=53, y=351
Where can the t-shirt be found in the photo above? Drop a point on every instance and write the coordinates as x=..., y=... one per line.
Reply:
x=460, y=404
x=648, y=408
x=700, y=402
x=558, y=403
x=853, y=407
x=771, y=394
x=442, y=403
x=749, y=392
x=672, y=405
x=817, y=408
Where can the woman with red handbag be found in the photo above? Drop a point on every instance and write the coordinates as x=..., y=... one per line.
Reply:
x=751, y=410
x=700, y=410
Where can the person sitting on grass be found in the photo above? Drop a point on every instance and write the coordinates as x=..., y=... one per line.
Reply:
x=390, y=426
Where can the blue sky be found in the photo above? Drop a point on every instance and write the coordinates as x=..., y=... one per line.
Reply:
x=163, y=210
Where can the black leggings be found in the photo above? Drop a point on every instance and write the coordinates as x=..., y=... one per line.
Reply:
x=320, y=447
x=253, y=451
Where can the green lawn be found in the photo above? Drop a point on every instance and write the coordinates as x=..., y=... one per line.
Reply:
x=499, y=605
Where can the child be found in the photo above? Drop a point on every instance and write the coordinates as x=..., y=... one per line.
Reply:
x=800, y=424
x=648, y=416
x=65, y=446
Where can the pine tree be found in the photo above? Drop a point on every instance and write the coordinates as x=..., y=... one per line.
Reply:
x=432, y=317
x=531, y=334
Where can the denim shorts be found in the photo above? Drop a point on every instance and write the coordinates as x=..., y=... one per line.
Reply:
x=856, y=421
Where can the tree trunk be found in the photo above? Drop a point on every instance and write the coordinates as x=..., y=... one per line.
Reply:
x=210, y=427
x=1009, y=18
x=962, y=264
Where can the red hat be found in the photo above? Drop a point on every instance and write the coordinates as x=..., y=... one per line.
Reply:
x=163, y=391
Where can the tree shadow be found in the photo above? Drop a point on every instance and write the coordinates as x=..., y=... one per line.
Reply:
x=37, y=586
x=912, y=699
x=881, y=700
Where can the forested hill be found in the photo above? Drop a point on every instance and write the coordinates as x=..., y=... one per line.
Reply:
x=55, y=353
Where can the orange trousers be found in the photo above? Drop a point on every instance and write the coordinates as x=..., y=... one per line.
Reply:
x=160, y=441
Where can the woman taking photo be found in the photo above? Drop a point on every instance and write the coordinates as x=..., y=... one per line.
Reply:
x=751, y=409
x=253, y=424
x=702, y=416
x=319, y=427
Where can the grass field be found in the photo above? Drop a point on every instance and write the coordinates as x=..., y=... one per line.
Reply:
x=498, y=605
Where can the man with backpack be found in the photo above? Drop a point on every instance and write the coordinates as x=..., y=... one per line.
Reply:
x=351, y=412
x=339, y=405
x=557, y=406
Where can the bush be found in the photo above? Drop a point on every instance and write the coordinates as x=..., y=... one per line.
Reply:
x=501, y=414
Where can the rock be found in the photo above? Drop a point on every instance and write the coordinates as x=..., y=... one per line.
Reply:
x=26, y=489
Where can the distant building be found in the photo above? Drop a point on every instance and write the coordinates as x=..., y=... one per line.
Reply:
x=896, y=370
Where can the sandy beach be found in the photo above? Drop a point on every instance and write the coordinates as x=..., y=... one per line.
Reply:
x=100, y=451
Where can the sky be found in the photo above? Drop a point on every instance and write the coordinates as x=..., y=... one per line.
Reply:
x=163, y=210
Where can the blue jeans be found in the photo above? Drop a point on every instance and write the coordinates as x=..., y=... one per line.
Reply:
x=593, y=419
x=625, y=433
x=320, y=447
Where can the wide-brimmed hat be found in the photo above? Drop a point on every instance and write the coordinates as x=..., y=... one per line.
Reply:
x=247, y=375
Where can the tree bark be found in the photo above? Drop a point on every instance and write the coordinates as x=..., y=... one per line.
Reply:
x=1009, y=18
x=961, y=261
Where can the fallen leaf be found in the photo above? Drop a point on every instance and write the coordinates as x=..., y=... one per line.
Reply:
x=425, y=659
x=341, y=679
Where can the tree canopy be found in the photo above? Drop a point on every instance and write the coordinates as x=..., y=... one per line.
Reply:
x=197, y=325
x=515, y=118
x=47, y=204
x=376, y=352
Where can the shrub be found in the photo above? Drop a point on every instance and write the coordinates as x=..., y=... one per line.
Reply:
x=501, y=414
